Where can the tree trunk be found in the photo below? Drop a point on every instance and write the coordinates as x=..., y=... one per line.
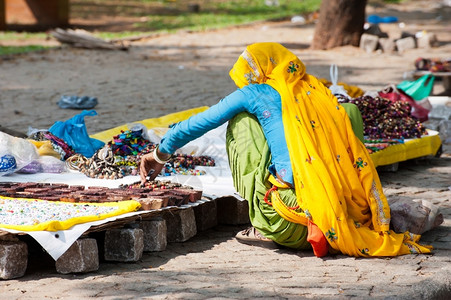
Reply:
x=340, y=23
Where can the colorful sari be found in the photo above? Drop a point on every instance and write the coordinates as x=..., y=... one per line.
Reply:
x=336, y=184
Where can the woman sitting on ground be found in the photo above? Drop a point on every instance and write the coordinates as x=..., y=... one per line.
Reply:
x=297, y=156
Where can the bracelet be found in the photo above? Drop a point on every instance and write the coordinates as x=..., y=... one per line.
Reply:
x=157, y=159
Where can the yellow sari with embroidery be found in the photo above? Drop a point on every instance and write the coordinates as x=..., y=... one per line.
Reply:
x=337, y=186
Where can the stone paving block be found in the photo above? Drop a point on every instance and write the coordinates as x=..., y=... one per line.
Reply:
x=124, y=245
x=427, y=40
x=387, y=45
x=155, y=234
x=81, y=257
x=369, y=42
x=406, y=43
x=13, y=259
x=206, y=214
x=181, y=224
x=232, y=211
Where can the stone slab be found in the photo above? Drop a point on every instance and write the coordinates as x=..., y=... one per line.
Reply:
x=181, y=224
x=13, y=259
x=124, y=245
x=232, y=211
x=81, y=257
x=206, y=214
x=155, y=234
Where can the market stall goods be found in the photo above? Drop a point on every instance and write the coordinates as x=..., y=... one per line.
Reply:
x=385, y=119
x=152, y=195
x=121, y=156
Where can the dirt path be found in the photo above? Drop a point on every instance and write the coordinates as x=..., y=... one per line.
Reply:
x=179, y=71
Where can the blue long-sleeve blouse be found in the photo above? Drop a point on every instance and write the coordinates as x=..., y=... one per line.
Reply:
x=262, y=101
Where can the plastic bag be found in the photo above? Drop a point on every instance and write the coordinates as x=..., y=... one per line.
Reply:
x=84, y=102
x=420, y=88
x=416, y=216
x=7, y=164
x=50, y=164
x=15, y=153
x=139, y=127
x=393, y=94
x=32, y=168
x=337, y=90
x=74, y=133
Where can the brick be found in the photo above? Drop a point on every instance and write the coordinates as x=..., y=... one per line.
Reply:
x=232, y=211
x=406, y=43
x=13, y=259
x=181, y=224
x=81, y=257
x=124, y=245
x=155, y=234
x=206, y=214
x=369, y=42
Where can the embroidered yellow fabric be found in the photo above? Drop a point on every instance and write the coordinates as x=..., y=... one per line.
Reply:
x=289, y=214
x=336, y=183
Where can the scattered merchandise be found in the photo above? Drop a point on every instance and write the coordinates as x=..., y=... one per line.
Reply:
x=374, y=145
x=418, y=109
x=58, y=145
x=185, y=164
x=15, y=153
x=433, y=64
x=385, y=119
x=161, y=193
x=121, y=157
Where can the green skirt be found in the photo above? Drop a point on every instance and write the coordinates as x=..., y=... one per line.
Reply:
x=249, y=159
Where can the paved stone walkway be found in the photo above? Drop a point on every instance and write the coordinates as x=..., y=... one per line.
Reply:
x=213, y=265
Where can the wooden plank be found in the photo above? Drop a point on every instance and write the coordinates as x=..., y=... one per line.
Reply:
x=83, y=39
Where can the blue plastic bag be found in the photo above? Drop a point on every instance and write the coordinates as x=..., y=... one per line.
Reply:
x=74, y=133
x=375, y=19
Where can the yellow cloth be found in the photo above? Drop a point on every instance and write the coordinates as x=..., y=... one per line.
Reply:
x=336, y=183
x=45, y=148
x=44, y=213
x=420, y=147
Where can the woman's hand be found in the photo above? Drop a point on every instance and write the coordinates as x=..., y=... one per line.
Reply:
x=149, y=167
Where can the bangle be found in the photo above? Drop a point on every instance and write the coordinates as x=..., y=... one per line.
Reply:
x=157, y=159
